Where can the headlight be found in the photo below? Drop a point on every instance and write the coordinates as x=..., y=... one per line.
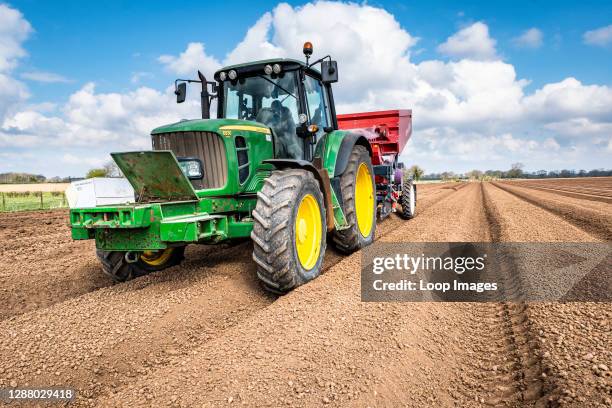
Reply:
x=192, y=168
x=276, y=68
x=232, y=75
x=222, y=76
x=268, y=69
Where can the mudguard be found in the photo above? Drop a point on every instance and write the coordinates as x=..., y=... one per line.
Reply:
x=336, y=148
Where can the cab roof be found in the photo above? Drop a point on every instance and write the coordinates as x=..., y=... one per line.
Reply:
x=254, y=66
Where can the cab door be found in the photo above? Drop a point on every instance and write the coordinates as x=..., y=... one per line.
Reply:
x=317, y=110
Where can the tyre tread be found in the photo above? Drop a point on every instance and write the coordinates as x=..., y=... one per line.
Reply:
x=272, y=229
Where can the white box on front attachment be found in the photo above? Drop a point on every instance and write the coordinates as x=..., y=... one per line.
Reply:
x=99, y=191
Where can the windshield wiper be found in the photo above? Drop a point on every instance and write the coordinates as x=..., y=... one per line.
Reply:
x=275, y=84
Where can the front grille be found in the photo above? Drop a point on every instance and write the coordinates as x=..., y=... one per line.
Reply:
x=206, y=146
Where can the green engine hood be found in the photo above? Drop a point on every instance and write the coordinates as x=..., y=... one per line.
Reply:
x=204, y=125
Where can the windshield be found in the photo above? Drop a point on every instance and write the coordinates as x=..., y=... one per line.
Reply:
x=271, y=101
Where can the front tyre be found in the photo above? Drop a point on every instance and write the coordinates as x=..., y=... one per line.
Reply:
x=115, y=264
x=359, y=202
x=289, y=230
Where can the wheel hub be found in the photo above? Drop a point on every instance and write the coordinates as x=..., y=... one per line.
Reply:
x=308, y=231
x=301, y=231
x=364, y=200
x=156, y=258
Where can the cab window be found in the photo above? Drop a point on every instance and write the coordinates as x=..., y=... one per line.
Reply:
x=271, y=100
x=317, y=106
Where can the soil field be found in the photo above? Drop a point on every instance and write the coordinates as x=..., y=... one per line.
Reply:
x=588, y=188
x=205, y=334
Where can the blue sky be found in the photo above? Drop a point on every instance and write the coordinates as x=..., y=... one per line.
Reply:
x=104, y=50
x=126, y=36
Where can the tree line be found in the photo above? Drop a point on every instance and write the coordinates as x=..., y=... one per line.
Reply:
x=27, y=178
x=515, y=171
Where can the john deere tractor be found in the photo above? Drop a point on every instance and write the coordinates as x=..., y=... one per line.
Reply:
x=277, y=165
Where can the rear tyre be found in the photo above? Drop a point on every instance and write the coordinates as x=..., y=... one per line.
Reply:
x=408, y=199
x=289, y=231
x=119, y=269
x=359, y=202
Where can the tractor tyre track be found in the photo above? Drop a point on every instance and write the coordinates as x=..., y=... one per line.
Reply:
x=523, y=370
x=540, y=379
x=597, y=222
x=572, y=194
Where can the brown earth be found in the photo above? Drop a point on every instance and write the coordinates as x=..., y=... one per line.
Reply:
x=206, y=334
x=588, y=188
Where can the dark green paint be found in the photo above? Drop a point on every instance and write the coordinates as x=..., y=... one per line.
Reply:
x=328, y=151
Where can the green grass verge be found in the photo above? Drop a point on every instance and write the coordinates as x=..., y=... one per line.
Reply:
x=21, y=202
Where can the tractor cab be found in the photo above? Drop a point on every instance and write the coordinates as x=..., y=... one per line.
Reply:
x=288, y=96
x=292, y=98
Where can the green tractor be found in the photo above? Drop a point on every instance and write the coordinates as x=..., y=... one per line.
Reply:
x=277, y=166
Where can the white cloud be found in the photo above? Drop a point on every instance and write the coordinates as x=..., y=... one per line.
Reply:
x=47, y=77
x=436, y=147
x=478, y=95
x=255, y=45
x=189, y=61
x=349, y=32
x=531, y=38
x=579, y=127
x=601, y=36
x=42, y=107
x=14, y=30
x=87, y=121
x=471, y=42
x=551, y=144
x=137, y=77
x=470, y=112
x=569, y=99
x=12, y=93
x=109, y=120
x=89, y=161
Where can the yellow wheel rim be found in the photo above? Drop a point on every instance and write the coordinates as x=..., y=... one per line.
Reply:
x=156, y=258
x=308, y=231
x=364, y=200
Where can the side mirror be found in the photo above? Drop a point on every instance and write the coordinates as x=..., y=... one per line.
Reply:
x=181, y=92
x=329, y=71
